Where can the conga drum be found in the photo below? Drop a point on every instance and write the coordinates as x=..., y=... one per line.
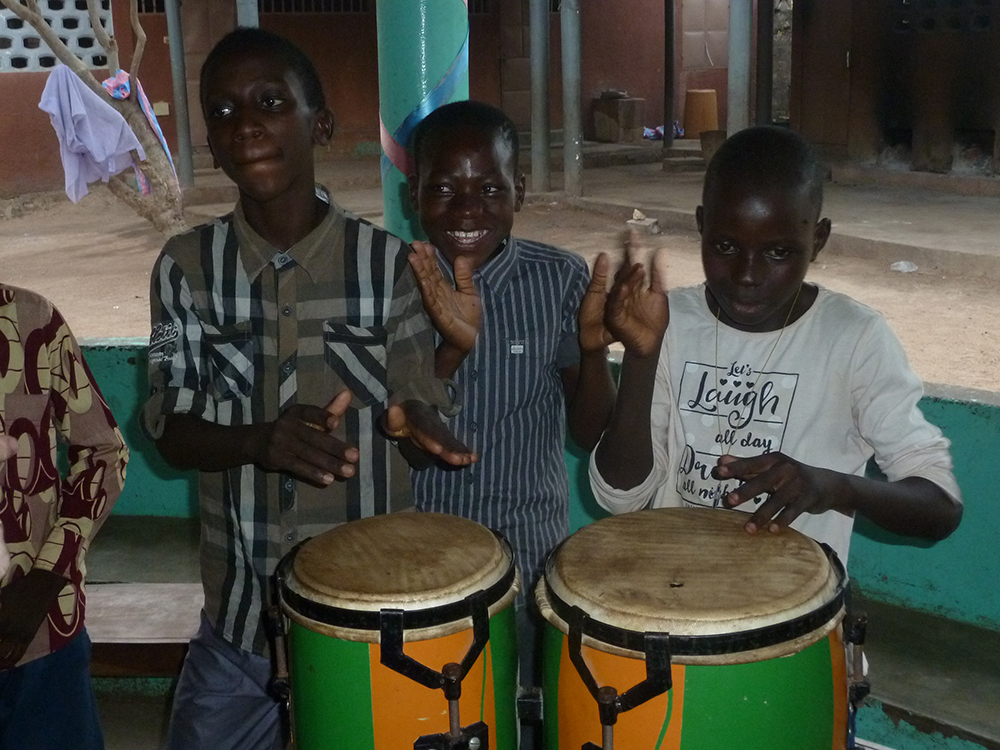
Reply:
x=674, y=628
x=401, y=635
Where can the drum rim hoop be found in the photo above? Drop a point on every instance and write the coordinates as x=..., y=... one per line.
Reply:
x=716, y=644
x=414, y=619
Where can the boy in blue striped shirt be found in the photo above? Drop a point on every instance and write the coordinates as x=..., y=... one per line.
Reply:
x=519, y=329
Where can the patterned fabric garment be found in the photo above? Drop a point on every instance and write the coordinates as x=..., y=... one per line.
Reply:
x=514, y=411
x=47, y=394
x=240, y=332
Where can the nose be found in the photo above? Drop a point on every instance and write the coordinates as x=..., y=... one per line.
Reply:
x=248, y=125
x=750, y=267
x=468, y=202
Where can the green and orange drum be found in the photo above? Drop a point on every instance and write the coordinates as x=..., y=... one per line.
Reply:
x=402, y=631
x=675, y=629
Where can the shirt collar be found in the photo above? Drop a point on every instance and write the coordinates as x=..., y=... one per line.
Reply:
x=499, y=269
x=312, y=252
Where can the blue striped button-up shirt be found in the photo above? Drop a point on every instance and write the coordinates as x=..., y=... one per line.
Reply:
x=514, y=411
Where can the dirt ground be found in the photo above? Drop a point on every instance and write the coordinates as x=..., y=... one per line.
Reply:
x=93, y=260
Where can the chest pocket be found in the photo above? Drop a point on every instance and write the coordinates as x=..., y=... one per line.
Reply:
x=231, y=352
x=358, y=356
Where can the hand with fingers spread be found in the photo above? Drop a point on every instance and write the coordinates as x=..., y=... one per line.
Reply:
x=594, y=334
x=420, y=424
x=637, y=313
x=456, y=311
x=300, y=443
x=792, y=488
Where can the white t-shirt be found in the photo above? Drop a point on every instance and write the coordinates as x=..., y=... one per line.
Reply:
x=836, y=390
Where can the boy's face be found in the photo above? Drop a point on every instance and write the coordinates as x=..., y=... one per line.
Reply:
x=466, y=193
x=260, y=129
x=756, y=246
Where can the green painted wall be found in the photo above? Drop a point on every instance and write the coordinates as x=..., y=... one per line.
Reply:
x=955, y=578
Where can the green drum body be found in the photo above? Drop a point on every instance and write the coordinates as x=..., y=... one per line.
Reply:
x=379, y=608
x=744, y=629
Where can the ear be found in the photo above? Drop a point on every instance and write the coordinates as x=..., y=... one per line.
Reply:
x=699, y=218
x=820, y=235
x=413, y=183
x=519, y=192
x=323, y=127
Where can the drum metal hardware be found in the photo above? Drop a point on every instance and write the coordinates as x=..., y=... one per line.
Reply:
x=274, y=623
x=529, y=705
x=473, y=737
x=610, y=704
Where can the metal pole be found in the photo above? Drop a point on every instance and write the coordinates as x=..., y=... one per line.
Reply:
x=740, y=30
x=246, y=13
x=569, y=17
x=423, y=62
x=765, y=61
x=539, y=51
x=184, y=163
x=668, y=73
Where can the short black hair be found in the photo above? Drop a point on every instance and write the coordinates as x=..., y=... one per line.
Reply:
x=246, y=39
x=464, y=115
x=768, y=157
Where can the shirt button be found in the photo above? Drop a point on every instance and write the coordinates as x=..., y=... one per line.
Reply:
x=286, y=310
x=474, y=374
x=289, y=485
x=474, y=426
x=286, y=368
x=290, y=536
x=470, y=478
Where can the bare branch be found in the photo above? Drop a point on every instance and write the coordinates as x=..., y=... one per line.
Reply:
x=29, y=14
x=140, y=39
x=104, y=39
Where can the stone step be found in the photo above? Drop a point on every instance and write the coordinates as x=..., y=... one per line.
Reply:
x=684, y=164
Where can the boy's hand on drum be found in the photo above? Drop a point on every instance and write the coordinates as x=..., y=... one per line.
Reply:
x=420, y=424
x=637, y=313
x=792, y=488
x=594, y=334
x=456, y=311
x=300, y=443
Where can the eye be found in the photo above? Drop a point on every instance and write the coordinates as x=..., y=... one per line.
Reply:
x=725, y=247
x=492, y=189
x=779, y=253
x=218, y=111
x=440, y=189
x=271, y=101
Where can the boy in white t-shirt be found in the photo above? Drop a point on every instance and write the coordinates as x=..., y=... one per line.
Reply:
x=764, y=392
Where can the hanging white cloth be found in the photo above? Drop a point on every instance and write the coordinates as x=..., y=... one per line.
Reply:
x=95, y=142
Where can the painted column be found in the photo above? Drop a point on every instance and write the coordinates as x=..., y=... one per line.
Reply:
x=765, y=62
x=423, y=62
x=740, y=38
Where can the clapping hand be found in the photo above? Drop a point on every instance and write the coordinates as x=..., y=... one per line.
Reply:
x=456, y=311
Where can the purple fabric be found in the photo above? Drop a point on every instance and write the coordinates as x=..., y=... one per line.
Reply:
x=94, y=140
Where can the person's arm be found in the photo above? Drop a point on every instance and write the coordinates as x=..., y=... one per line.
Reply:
x=456, y=311
x=637, y=314
x=181, y=415
x=97, y=458
x=418, y=396
x=588, y=386
x=300, y=442
x=921, y=497
x=912, y=506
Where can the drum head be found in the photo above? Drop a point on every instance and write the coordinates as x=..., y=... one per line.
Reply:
x=693, y=572
x=416, y=562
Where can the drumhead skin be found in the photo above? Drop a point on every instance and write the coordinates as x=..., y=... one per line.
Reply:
x=405, y=561
x=691, y=572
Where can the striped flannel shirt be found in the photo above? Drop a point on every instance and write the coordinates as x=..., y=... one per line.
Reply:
x=514, y=410
x=48, y=395
x=242, y=331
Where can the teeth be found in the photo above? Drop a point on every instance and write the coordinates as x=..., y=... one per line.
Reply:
x=469, y=236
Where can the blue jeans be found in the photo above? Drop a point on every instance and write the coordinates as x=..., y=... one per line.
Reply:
x=48, y=703
x=221, y=701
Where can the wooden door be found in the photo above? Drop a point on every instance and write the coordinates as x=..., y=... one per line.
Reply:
x=821, y=32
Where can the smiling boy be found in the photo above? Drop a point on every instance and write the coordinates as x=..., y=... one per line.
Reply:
x=759, y=386
x=289, y=342
x=533, y=367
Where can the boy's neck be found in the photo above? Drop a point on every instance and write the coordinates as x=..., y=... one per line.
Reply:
x=284, y=223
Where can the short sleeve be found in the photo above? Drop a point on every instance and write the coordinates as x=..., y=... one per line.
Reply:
x=568, y=352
